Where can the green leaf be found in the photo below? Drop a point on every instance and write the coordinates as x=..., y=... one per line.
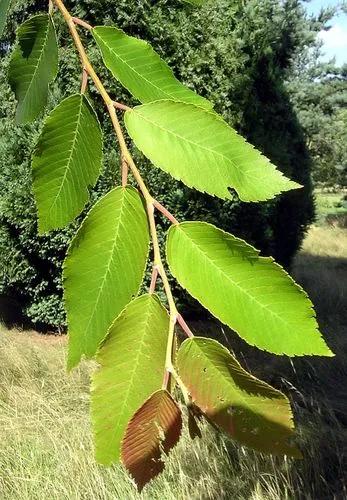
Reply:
x=4, y=6
x=66, y=162
x=104, y=268
x=132, y=362
x=199, y=148
x=249, y=410
x=33, y=66
x=140, y=69
x=152, y=432
x=251, y=294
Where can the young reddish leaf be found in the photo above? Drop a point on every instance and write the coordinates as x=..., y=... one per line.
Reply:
x=154, y=429
x=249, y=410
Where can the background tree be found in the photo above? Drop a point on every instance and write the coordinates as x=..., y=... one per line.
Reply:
x=318, y=91
x=319, y=94
x=237, y=54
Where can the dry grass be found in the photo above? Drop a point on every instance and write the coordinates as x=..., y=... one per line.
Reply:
x=46, y=448
x=321, y=267
x=45, y=440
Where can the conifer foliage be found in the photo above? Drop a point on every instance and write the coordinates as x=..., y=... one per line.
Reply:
x=137, y=417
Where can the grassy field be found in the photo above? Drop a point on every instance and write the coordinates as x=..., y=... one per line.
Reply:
x=45, y=440
x=333, y=205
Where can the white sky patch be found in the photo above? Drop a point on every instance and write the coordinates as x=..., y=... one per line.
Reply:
x=335, y=38
x=335, y=42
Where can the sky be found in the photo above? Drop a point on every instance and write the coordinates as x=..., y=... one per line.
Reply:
x=334, y=40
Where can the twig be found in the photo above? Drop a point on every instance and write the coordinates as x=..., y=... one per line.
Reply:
x=84, y=81
x=154, y=278
x=165, y=212
x=110, y=104
x=168, y=363
x=184, y=390
x=166, y=379
x=119, y=105
x=184, y=326
x=82, y=23
x=125, y=171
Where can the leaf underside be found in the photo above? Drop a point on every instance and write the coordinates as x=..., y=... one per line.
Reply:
x=140, y=69
x=66, y=162
x=247, y=409
x=33, y=66
x=252, y=295
x=132, y=362
x=4, y=6
x=154, y=429
x=199, y=148
x=104, y=268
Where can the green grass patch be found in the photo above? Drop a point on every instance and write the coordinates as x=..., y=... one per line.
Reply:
x=330, y=204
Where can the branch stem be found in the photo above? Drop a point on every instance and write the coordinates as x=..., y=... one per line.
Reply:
x=153, y=279
x=126, y=157
x=119, y=105
x=184, y=390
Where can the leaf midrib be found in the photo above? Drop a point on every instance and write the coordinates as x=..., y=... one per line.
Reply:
x=68, y=163
x=219, y=372
x=135, y=365
x=142, y=76
x=232, y=387
x=253, y=298
x=91, y=317
x=38, y=62
x=184, y=139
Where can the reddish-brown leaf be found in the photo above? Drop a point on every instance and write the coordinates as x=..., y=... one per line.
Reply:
x=153, y=430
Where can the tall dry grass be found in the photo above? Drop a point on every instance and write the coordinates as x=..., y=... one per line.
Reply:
x=46, y=447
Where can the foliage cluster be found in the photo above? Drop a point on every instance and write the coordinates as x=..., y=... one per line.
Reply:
x=239, y=61
x=135, y=412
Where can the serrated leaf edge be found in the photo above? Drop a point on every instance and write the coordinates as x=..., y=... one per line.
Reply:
x=163, y=454
x=49, y=22
x=147, y=44
x=47, y=228
x=72, y=243
x=182, y=178
x=268, y=259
